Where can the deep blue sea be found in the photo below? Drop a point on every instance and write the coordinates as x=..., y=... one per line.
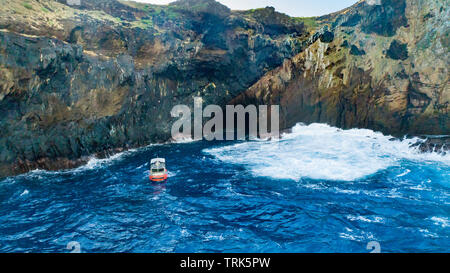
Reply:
x=318, y=189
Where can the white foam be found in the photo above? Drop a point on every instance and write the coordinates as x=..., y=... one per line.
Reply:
x=319, y=151
x=404, y=173
x=95, y=163
x=367, y=219
x=441, y=221
x=359, y=236
x=183, y=140
x=25, y=192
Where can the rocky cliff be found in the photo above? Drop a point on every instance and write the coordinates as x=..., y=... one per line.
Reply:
x=102, y=76
x=381, y=65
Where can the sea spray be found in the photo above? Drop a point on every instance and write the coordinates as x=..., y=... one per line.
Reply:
x=319, y=151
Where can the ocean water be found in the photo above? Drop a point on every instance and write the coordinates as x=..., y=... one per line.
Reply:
x=318, y=189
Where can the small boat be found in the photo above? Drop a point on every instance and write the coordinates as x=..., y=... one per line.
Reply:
x=158, y=171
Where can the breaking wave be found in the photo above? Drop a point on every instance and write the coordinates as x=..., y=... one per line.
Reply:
x=217, y=200
x=319, y=151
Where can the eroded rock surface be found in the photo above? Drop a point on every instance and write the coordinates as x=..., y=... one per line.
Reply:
x=103, y=76
x=386, y=69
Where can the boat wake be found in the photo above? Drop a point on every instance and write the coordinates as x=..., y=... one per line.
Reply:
x=319, y=151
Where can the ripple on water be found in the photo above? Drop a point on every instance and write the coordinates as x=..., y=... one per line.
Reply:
x=319, y=189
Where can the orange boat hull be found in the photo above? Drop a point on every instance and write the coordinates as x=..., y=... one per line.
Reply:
x=158, y=178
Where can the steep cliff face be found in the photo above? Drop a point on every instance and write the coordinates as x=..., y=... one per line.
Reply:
x=383, y=65
x=103, y=76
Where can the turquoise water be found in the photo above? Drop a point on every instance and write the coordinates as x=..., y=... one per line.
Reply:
x=318, y=189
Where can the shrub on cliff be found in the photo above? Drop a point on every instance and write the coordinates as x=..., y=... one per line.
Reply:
x=397, y=51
